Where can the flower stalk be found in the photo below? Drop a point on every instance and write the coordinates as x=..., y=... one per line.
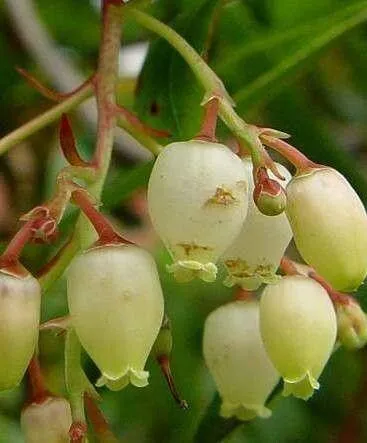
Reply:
x=212, y=84
x=37, y=388
x=289, y=152
x=104, y=229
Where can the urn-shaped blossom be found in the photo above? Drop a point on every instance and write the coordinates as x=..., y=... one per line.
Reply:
x=20, y=302
x=46, y=422
x=237, y=360
x=298, y=328
x=329, y=224
x=116, y=305
x=198, y=197
x=254, y=256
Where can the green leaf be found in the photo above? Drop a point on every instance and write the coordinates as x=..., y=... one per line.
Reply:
x=278, y=76
x=119, y=187
x=169, y=96
x=214, y=428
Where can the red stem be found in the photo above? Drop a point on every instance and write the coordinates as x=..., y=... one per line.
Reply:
x=336, y=296
x=38, y=391
x=47, y=92
x=68, y=144
x=98, y=420
x=164, y=364
x=289, y=268
x=77, y=432
x=16, y=245
x=106, y=79
x=209, y=125
x=292, y=154
x=242, y=295
x=103, y=227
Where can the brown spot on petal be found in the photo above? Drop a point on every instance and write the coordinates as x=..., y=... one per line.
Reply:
x=222, y=197
x=240, y=269
x=189, y=248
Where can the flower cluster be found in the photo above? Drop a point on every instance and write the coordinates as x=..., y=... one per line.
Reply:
x=211, y=207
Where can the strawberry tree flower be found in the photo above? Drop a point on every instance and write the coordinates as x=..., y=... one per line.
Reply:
x=235, y=355
x=20, y=302
x=329, y=224
x=298, y=327
x=116, y=306
x=116, y=303
x=47, y=421
x=198, y=197
x=254, y=256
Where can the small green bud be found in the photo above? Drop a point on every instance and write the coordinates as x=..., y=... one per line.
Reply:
x=268, y=194
x=298, y=328
x=329, y=224
x=20, y=302
x=235, y=355
x=352, y=325
x=163, y=343
x=198, y=198
x=47, y=422
x=271, y=204
x=116, y=306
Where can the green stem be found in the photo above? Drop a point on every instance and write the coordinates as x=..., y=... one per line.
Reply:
x=58, y=264
x=207, y=77
x=106, y=84
x=209, y=80
x=44, y=119
x=148, y=142
x=74, y=376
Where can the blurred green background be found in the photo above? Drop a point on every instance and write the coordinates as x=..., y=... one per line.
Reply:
x=298, y=66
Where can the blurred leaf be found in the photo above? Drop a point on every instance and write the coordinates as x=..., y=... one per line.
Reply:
x=81, y=28
x=295, y=113
x=168, y=94
x=120, y=187
x=214, y=428
x=264, y=41
x=278, y=76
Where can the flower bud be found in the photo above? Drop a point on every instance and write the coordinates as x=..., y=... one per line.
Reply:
x=47, y=422
x=329, y=225
x=198, y=199
x=236, y=358
x=352, y=325
x=164, y=342
x=268, y=194
x=116, y=305
x=254, y=256
x=20, y=302
x=298, y=328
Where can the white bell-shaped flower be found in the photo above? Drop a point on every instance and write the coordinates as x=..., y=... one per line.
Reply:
x=237, y=360
x=329, y=224
x=46, y=422
x=298, y=327
x=198, y=198
x=116, y=305
x=254, y=256
x=20, y=303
